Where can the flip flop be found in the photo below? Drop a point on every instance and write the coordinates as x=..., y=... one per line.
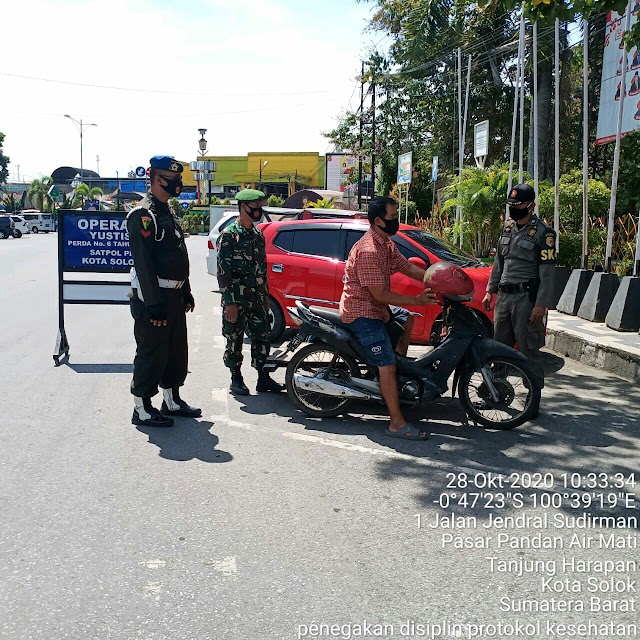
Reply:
x=408, y=432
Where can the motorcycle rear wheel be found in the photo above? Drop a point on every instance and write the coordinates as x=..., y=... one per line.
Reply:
x=519, y=395
x=313, y=360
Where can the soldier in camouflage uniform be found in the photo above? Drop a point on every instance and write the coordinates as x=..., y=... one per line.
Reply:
x=242, y=276
x=522, y=276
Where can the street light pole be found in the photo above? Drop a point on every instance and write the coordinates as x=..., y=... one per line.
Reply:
x=266, y=162
x=81, y=126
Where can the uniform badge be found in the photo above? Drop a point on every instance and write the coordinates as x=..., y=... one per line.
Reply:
x=514, y=193
x=550, y=241
x=175, y=166
x=145, y=234
x=145, y=222
x=532, y=231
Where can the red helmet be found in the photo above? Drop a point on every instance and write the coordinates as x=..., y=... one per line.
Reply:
x=446, y=279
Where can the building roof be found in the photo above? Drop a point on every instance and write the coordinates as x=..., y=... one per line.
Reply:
x=67, y=174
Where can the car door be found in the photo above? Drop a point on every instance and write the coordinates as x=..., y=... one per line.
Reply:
x=304, y=262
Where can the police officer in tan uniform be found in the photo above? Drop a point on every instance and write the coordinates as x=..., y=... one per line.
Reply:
x=522, y=277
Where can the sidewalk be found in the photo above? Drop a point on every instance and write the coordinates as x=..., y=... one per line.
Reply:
x=595, y=344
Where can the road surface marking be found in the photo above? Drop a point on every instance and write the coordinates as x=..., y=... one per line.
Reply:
x=226, y=566
x=197, y=330
x=153, y=564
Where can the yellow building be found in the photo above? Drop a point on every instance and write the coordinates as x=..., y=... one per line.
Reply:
x=281, y=172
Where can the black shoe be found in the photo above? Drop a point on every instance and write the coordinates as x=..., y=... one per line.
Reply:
x=179, y=406
x=155, y=419
x=237, y=386
x=266, y=384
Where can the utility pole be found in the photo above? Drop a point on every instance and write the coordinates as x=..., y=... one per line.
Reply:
x=98, y=165
x=18, y=172
x=360, y=148
x=373, y=134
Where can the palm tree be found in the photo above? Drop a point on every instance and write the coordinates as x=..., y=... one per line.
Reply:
x=482, y=194
x=38, y=193
x=83, y=192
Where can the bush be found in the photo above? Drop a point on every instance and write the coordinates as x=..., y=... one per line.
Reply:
x=226, y=202
x=570, y=253
x=274, y=201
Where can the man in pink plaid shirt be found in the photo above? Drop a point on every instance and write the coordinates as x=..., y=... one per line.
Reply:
x=365, y=305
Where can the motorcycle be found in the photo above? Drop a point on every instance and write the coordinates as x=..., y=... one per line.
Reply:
x=495, y=384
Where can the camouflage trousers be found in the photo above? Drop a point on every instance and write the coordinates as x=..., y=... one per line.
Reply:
x=255, y=319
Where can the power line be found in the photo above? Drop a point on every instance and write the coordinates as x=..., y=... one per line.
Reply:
x=151, y=91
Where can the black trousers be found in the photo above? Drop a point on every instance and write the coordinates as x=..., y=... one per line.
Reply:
x=161, y=353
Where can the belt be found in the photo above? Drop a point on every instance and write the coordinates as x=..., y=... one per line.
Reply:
x=170, y=284
x=519, y=287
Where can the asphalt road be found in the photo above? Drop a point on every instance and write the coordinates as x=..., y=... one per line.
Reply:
x=256, y=522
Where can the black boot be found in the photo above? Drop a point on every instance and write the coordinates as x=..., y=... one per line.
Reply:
x=174, y=405
x=145, y=415
x=266, y=384
x=237, y=386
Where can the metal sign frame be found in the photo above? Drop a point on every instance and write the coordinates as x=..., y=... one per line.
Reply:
x=481, y=142
x=98, y=291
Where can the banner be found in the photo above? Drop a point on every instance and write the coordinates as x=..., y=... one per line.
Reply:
x=95, y=242
x=338, y=169
x=611, y=85
x=404, y=167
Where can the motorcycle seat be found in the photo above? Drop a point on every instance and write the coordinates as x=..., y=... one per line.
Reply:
x=332, y=315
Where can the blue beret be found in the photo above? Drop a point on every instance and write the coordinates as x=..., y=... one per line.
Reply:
x=169, y=163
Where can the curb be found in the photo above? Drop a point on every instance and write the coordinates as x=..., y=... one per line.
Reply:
x=610, y=359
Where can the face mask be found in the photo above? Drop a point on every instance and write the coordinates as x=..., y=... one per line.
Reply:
x=391, y=227
x=173, y=187
x=255, y=214
x=518, y=214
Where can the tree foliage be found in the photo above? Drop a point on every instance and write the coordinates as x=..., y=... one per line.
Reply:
x=4, y=162
x=38, y=193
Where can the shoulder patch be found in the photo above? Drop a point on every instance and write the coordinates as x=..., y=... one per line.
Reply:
x=550, y=240
x=146, y=221
x=532, y=231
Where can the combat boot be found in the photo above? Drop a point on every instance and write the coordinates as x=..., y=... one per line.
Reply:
x=266, y=384
x=145, y=415
x=237, y=386
x=174, y=405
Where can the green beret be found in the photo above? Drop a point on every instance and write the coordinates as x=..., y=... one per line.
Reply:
x=250, y=195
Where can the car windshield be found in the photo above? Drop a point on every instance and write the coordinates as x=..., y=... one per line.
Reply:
x=442, y=248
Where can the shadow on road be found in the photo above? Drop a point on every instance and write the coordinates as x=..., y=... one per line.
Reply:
x=100, y=368
x=596, y=432
x=188, y=439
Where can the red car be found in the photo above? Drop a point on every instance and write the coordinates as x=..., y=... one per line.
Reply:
x=306, y=261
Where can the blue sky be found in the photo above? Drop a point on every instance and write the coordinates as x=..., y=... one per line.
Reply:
x=264, y=75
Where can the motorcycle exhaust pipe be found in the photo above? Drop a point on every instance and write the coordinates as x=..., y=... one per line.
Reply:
x=328, y=388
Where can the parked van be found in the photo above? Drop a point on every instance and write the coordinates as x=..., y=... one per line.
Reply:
x=38, y=221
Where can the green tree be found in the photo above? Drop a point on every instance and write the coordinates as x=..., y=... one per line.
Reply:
x=481, y=193
x=4, y=162
x=38, y=193
x=84, y=192
x=11, y=203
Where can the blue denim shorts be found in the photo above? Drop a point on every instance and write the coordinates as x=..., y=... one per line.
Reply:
x=378, y=338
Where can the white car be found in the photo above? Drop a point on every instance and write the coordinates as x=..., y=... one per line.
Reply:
x=212, y=257
x=38, y=221
x=20, y=226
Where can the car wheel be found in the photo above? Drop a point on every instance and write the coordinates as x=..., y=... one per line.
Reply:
x=276, y=318
x=17, y=233
x=3, y=235
x=35, y=229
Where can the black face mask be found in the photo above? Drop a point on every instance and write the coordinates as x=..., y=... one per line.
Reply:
x=391, y=227
x=173, y=187
x=255, y=214
x=518, y=214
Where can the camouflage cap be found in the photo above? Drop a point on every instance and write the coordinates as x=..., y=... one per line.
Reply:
x=250, y=195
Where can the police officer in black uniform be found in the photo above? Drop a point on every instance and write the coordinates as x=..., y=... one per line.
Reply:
x=160, y=297
x=522, y=276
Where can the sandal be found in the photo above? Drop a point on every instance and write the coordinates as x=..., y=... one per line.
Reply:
x=408, y=432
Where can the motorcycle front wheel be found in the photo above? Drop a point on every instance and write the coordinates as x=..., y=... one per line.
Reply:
x=313, y=361
x=518, y=396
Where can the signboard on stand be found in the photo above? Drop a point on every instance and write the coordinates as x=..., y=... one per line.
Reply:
x=405, y=161
x=481, y=142
x=611, y=85
x=90, y=242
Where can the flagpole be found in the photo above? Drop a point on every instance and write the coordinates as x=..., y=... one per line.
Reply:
x=556, y=208
x=514, y=124
x=585, y=145
x=616, y=153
